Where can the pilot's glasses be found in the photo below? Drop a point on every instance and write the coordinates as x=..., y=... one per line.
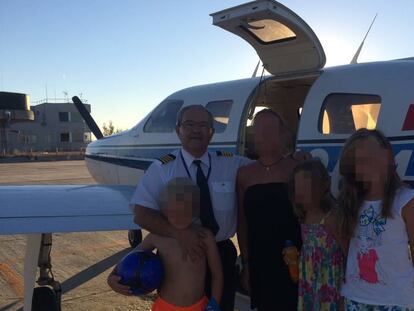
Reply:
x=192, y=125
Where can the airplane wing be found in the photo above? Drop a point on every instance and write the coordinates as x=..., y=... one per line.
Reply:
x=65, y=208
x=33, y=210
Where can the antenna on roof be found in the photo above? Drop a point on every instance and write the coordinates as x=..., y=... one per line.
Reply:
x=255, y=70
x=355, y=58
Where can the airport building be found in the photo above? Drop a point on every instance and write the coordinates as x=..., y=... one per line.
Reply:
x=53, y=125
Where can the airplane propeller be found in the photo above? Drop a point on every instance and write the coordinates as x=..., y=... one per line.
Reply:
x=87, y=117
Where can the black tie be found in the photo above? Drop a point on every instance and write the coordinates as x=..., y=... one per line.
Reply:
x=206, y=209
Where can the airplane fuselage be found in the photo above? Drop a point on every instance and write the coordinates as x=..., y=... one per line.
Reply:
x=386, y=86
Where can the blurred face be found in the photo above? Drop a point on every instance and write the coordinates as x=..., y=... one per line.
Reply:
x=371, y=162
x=267, y=133
x=306, y=191
x=195, y=131
x=179, y=210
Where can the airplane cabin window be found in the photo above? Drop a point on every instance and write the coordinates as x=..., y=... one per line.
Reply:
x=221, y=113
x=343, y=113
x=268, y=31
x=164, y=117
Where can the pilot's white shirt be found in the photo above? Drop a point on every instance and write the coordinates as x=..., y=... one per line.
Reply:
x=222, y=185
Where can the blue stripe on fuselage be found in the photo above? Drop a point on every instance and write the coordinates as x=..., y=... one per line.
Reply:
x=334, y=152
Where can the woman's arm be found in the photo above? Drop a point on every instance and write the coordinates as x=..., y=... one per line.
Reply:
x=241, y=217
x=408, y=216
x=242, y=231
x=214, y=263
x=292, y=226
x=300, y=155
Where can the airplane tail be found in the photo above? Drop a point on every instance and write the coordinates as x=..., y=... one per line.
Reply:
x=87, y=117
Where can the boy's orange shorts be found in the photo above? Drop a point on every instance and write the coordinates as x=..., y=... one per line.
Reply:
x=161, y=305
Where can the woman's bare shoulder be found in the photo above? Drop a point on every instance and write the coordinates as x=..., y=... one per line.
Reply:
x=246, y=175
x=247, y=169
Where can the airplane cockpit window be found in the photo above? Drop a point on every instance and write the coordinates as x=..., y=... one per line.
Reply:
x=221, y=113
x=268, y=31
x=343, y=113
x=164, y=117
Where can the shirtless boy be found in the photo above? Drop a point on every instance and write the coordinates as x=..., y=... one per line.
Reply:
x=184, y=280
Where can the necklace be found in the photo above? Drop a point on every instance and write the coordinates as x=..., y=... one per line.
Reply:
x=269, y=166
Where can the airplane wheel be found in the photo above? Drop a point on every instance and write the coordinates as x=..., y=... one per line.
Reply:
x=134, y=237
x=44, y=298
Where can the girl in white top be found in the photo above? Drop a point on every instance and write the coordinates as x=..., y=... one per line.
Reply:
x=377, y=214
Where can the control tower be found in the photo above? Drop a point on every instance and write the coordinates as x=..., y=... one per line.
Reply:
x=14, y=107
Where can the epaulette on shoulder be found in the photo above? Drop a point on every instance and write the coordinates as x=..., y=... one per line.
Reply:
x=224, y=153
x=167, y=158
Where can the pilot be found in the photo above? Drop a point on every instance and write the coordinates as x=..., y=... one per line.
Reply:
x=215, y=174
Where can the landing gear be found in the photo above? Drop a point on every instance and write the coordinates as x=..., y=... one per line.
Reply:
x=48, y=295
x=44, y=298
x=134, y=237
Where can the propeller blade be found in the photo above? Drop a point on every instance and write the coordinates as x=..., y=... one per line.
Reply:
x=87, y=117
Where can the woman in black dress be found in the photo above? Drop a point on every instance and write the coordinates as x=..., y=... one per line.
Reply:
x=266, y=219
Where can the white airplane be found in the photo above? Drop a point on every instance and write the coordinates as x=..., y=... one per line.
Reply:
x=321, y=106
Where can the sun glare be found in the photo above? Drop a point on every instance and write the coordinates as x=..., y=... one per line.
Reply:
x=338, y=51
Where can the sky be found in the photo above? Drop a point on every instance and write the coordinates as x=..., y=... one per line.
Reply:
x=126, y=56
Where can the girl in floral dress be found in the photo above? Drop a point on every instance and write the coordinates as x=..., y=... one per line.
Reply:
x=321, y=263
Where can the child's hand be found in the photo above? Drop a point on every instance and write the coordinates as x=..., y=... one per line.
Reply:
x=113, y=282
x=301, y=156
x=191, y=241
x=212, y=305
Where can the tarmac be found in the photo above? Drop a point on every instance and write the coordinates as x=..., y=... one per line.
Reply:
x=80, y=261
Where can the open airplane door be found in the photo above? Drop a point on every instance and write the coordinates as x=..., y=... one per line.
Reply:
x=283, y=41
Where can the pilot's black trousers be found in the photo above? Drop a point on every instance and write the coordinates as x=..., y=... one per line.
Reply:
x=228, y=255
